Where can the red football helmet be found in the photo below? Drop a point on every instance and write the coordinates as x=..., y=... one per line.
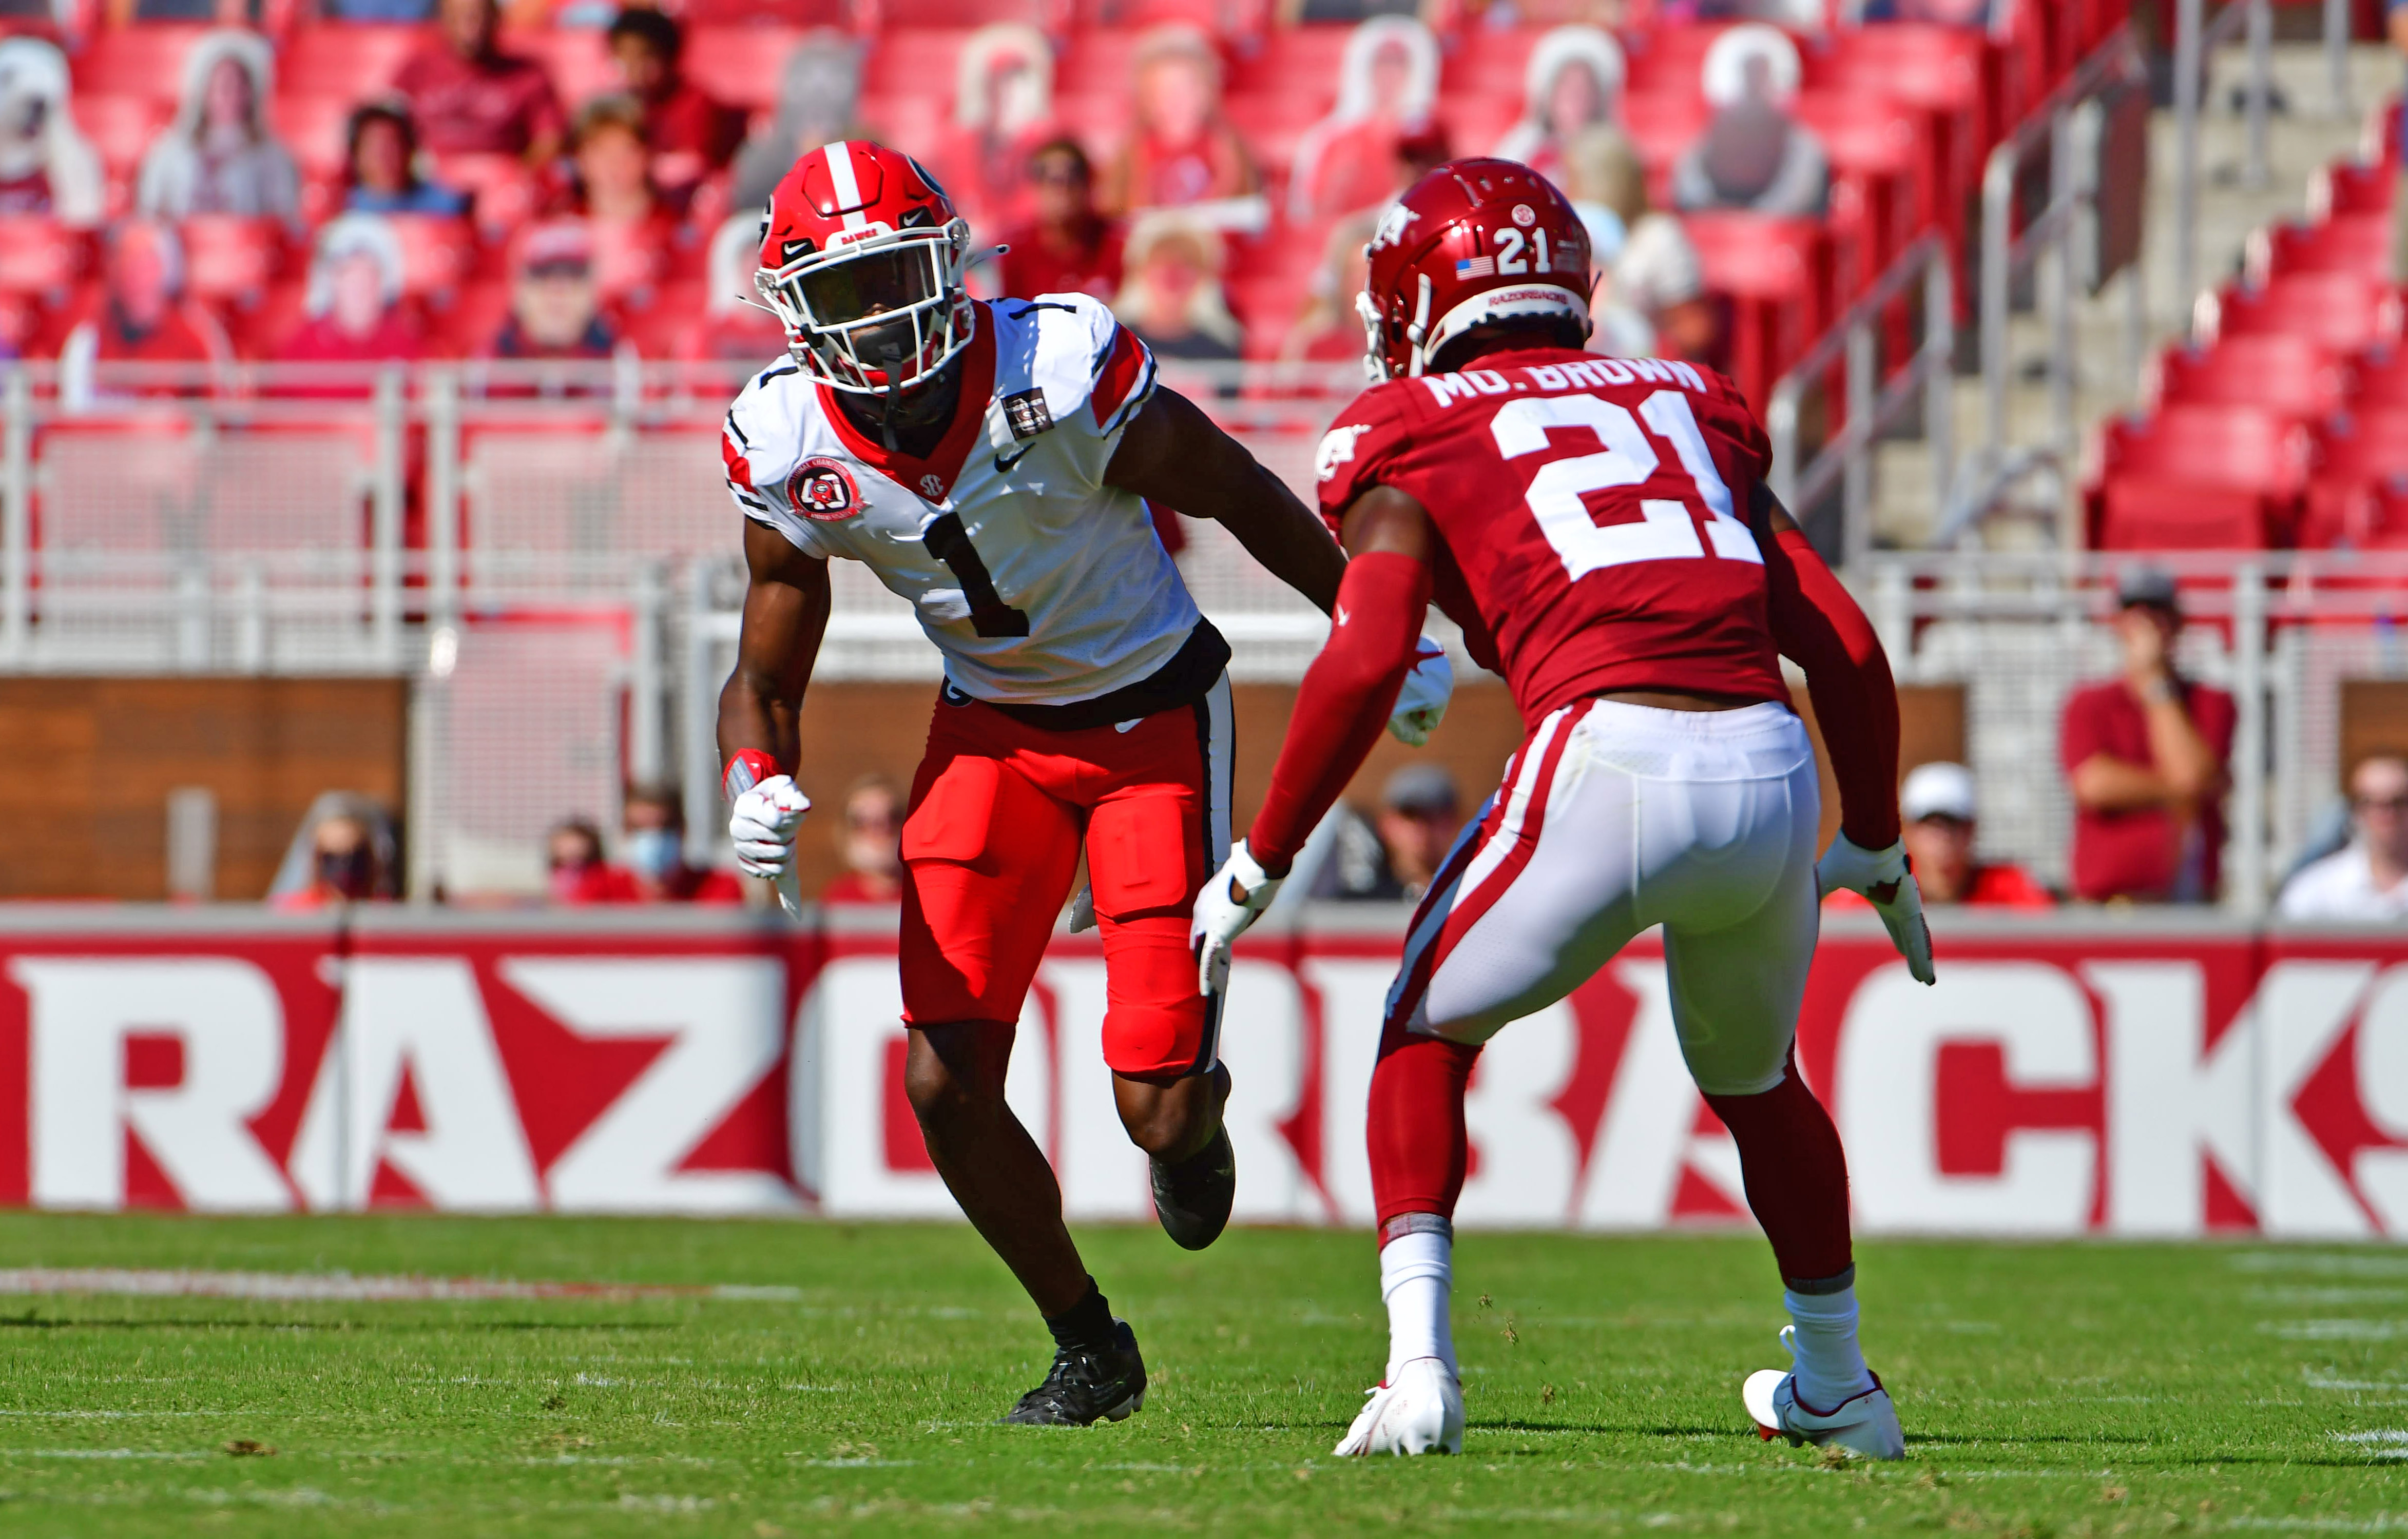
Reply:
x=1474, y=241
x=862, y=257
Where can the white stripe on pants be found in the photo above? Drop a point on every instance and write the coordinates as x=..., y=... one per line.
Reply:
x=1615, y=818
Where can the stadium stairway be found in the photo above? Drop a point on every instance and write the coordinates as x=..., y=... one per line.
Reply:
x=2304, y=141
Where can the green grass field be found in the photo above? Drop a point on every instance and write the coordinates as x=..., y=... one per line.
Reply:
x=2046, y=1389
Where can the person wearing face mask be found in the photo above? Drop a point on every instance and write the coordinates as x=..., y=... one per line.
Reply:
x=343, y=854
x=652, y=846
x=872, y=842
x=218, y=157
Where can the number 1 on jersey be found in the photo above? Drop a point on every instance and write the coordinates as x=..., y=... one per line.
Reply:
x=1665, y=531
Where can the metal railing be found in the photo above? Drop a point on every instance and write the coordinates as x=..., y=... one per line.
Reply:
x=1873, y=403
x=2194, y=38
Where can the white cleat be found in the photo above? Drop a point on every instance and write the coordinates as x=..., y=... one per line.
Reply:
x=1421, y=1413
x=1865, y=1424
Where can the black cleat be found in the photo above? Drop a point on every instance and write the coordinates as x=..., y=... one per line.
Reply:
x=1086, y=1386
x=1192, y=1198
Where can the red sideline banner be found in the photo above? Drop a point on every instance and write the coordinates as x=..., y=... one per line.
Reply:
x=2069, y=1074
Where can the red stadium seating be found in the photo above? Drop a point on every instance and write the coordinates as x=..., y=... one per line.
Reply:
x=1671, y=61
x=2347, y=243
x=741, y=66
x=578, y=58
x=146, y=60
x=2349, y=455
x=2348, y=188
x=315, y=129
x=1777, y=274
x=2200, y=477
x=913, y=62
x=121, y=128
x=438, y=254
x=37, y=257
x=348, y=60
x=1488, y=66
x=1300, y=63
x=2344, y=312
x=1875, y=156
x=2286, y=375
x=228, y=259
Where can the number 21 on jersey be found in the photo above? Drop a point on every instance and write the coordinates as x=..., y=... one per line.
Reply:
x=1666, y=530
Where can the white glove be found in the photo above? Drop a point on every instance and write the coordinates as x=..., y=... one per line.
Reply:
x=1221, y=917
x=1884, y=880
x=1082, y=909
x=762, y=825
x=1421, y=706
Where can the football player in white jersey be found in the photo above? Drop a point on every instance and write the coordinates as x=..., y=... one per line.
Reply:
x=991, y=462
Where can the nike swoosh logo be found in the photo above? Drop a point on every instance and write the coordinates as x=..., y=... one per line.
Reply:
x=1003, y=467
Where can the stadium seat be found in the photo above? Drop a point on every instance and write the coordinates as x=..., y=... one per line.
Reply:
x=920, y=122
x=2345, y=243
x=1488, y=66
x=1297, y=63
x=502, y=192
x=578, y=59
x=1671, y=60
x=1874, y=148
x=1777, y=274
x=37, y=257
x=229, y=258
x=314, y=129
x=121, y=128
x=1949, y=72
x=2278, y=372
x=437, y=253
x=2349, y=455
x=2345, y=311
x=1661, y=125
x=2381, y=377
x=2348, y=188
x=1098, y=61
x=348, y=60
x=467, y=324
x=741, y=66
x=2200, y=477
x=913, y=62
x=145, y=60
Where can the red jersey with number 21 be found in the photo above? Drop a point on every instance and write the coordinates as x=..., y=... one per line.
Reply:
x=1592, y=513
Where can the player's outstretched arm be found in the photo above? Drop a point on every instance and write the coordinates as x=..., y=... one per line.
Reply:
x=1341, y=707
x=787, y=603
x=1173, y=455
x=1819, y=626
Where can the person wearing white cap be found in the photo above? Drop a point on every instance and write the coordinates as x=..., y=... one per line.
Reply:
x=1942, y=825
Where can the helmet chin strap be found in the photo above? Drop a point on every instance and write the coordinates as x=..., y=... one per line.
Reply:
x=1418, y=331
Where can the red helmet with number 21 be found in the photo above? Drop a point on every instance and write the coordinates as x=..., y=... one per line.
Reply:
x=1476, y=241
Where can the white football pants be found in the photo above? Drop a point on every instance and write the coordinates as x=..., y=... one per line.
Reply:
x=1611, y=819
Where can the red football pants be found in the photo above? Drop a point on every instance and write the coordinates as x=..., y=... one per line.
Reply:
x=997, y=813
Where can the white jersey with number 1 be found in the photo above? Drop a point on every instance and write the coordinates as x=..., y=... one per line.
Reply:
x=1040, y=584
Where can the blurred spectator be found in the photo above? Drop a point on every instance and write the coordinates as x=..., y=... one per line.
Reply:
x=2368, y=879
x=1182, y=150
x=141, y=318
x=2395, y=28
x=344, y=851
x=1068, y=246
x=218, y=157
x=870, y=838
x=1171, y=296
x=355, y=300
x=735, y=325
x=1942, y=828
x=1652, y=268
x=381, y=166
x=1387, y=84
x=819, y=102
x=1797, y=15
x=1391, y=857
x=1946, y=13
x=556, y=306
x=1753, y=156
x=469, y=98
x=654, y=845
x=2145, y=757
x=1573, y=84
x=1328, y=330
x=46, y=166
x=612, y=188
x=577, y=874
x=1003, y=112
x=690, y=133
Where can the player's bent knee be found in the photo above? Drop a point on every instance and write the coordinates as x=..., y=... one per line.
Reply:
x=956, y=1070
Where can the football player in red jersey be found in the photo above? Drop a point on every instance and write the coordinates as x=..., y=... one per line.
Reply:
x=1600, y=529
x=992, y=464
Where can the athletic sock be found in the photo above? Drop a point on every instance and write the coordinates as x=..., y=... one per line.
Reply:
x=1416, y=1277
x=1830, y=1365
x=1086, y=1326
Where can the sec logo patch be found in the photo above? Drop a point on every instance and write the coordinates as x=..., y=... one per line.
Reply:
x=823, y=488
